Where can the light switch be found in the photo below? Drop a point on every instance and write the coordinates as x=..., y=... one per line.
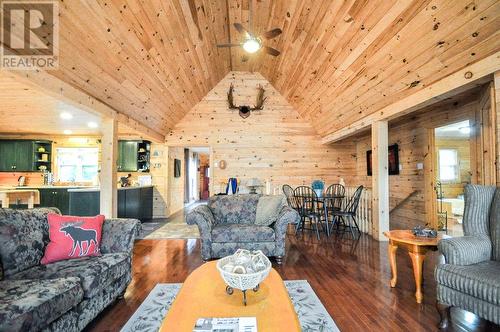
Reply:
x=420, y=165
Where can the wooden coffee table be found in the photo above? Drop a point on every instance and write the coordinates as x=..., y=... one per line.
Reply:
x=203, y=294
x=417, y=247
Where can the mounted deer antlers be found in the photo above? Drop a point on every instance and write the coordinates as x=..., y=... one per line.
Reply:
x=245, y=110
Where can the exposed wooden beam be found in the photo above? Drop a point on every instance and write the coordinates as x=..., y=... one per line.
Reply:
x=109, y=194
x=437, y=91
x=56, y=88
x=380, y=179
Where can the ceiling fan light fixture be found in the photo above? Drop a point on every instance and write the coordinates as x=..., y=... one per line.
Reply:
x=251, y=45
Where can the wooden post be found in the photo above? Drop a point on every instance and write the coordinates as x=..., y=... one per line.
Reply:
x=108, y=176
x=430, y=195
x=495, y=111
x=380, y=179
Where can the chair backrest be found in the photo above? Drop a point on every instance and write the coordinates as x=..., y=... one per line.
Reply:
x=477, y=206
x=288, y=191
x=482, y=214
x=234, y=209
x=307, y=200
x=352, y=205
x=495, y=225
x=336, y=190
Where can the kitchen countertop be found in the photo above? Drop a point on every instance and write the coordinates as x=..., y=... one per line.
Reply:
x=95, y=189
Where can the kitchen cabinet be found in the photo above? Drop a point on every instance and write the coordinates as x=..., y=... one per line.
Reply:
x=133, y=156
x=135, y=202
x=127, y=156
x=20, y=155
x=55, y=197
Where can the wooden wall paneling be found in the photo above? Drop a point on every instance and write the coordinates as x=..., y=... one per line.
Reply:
x=407, y=196
x=380, y=179
x=273, y=145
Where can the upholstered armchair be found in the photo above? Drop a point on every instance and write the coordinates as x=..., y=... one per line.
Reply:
x=228, y=223
x=470, y=277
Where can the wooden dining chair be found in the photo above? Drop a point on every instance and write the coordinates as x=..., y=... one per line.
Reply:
x=309, y=208
x=290, y=199
x=338, y=192
x=348, y=214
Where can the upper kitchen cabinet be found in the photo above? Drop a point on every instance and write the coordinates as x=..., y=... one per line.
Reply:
x=133, y=156
x=24, y=155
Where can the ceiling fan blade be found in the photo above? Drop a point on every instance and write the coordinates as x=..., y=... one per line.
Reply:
x=271, y=51
x=272, y=33
x=240, y=28
x=228, y=45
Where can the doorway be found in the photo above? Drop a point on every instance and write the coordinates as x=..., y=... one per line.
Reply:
x=453, y=170
x=197, y=170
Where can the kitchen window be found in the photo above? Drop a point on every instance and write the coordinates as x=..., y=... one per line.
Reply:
x=449, y=170
x=77, y=164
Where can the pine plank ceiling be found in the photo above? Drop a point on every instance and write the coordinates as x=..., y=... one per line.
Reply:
x=341, y=60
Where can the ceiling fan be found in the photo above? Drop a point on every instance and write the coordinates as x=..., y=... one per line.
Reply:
x=253, y=43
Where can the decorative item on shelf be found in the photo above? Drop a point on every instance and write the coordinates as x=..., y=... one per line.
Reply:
x=421, y=231
x=41, y=149
x=125, y=180
x=42, y=168
x=44, y=157
x=142, y=150
x=232, y=186
x=253, y=184
x=244, y=270
x=245, y=110
x=318, y=186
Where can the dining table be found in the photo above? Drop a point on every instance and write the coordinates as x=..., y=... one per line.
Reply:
x=325, y=200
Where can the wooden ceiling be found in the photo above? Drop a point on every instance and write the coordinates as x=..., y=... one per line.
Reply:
x=340, y=61
x=25, y=109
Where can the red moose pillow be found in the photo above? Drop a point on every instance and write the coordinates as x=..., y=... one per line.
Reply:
x=73, y=237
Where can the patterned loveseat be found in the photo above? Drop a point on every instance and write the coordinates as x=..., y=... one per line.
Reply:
x=227, y=223
x=65, y=295
x=470, y=277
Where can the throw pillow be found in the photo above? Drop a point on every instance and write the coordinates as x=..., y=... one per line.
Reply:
x=73, y=237
x=268, y=209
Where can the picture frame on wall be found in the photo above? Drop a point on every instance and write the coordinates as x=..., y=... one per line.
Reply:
x=393, y=160
x=177, y=168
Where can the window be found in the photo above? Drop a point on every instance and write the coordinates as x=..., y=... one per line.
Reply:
x=77, y=164
x=448, y=165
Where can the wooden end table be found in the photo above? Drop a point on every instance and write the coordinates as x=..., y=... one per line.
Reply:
x=417, y=247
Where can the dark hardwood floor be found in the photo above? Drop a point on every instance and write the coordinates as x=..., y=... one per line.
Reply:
x=350, y=277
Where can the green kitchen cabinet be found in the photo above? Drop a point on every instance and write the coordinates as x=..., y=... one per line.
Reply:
x=127, y=156
x=23, y=156
x=55, y=197
x=7, y=156
x=20, y=155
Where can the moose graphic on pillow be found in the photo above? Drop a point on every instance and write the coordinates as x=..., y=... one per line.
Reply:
x=80, y=236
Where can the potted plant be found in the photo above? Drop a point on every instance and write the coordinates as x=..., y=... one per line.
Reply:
x=318, y=187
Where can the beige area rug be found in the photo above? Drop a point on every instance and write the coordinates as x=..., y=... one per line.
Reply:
x=177, y=229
